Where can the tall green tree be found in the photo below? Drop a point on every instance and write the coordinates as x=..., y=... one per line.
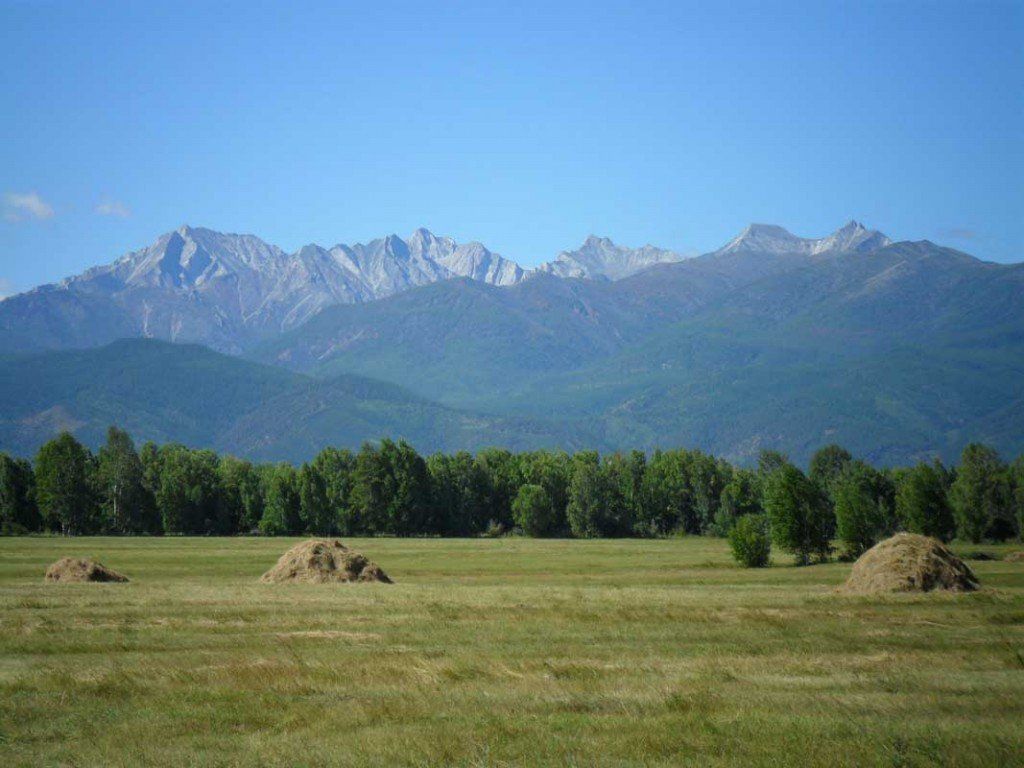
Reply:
x=740, y=496
x=128, y=505
x=188, y=490
x=981, y=495
x=336, y=467
x=597, y=506
x=149, y=457
x=18, y=511
x=391, y=490
x=503, y=481
x=411, y=509
x=826, y=466
x=550, y=470
x=65, y=490
x=240, y=500
x=282, y=506
x=533, y=511
x=624, y=477
x=861, y=507
x=588, y=496
x=668, y=502
x=922, y=505
x=768, y=461
x=318, y=517
x=371, y=491
x=460, y=491
x=707, y=478
x=798, y=514
x=1017, y=484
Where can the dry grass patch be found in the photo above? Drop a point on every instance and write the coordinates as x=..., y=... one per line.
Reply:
x=81, y=569
x=322, y=561
x=908, y=562
x=500, y=653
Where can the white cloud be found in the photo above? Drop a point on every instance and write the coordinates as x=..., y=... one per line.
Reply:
x=19, y=206
x=6, y=288
x=113, y=208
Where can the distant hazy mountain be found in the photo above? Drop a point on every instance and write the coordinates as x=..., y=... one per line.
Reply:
x=190, y=394
x=901, y=351
x=901, y=354
x=854, y=237
x=599, y=257
x=229, y=291
x=542, y=325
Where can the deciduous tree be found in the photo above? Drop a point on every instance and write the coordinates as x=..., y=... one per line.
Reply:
x=533, y=512
x=127, y=503
x=980, y=495
x=922, y=505
x=65, y=490
x=798, y=513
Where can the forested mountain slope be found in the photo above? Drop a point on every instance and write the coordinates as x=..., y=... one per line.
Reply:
x=902, y=351
x=186, y=393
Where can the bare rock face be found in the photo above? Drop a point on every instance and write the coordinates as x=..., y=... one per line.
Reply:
x=854, y=237
x=908, y=562
x=601, y=259
x=231, y=291
x=81, y=569
x=322, y=561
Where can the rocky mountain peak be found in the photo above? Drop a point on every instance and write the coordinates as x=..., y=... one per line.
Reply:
x=766, y=238
x=424, y=243
x=596, y=241
x=773, y=239
x=851, y=237
x=601, y=259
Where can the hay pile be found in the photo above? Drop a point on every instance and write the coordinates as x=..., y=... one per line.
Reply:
x=78, y=569
x=909, y=563
x=1015, y=557
x=319, y=561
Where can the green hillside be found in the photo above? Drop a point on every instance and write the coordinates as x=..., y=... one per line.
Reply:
x=187, y=393
x=905, y=352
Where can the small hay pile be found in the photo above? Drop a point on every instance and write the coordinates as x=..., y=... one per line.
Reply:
x=81, y=569
x=1015, y=557
x=908, y=562
x=319, y=561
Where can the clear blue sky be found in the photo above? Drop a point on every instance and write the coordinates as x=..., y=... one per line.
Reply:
x=526, y=126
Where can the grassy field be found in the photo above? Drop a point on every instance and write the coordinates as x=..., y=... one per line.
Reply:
x=499, y=652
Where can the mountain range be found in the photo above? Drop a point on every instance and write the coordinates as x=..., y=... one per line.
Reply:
x=899, y=350
x=230, y=291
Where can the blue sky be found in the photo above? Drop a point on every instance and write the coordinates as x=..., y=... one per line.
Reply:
x=526, y=126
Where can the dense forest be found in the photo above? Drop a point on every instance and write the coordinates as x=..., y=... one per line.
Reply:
x=389, y=489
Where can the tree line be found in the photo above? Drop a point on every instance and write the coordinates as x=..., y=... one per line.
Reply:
x=390, y=489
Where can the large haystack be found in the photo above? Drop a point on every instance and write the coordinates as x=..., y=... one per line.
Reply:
x=318, y=561
x=908, y=562
x=79, y=569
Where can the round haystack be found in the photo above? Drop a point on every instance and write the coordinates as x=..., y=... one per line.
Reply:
x=79, y=569
x=1015, y=557
x=908, y=562
x=318, y=561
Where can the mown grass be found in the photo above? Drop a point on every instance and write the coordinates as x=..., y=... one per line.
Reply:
x=499, y=652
